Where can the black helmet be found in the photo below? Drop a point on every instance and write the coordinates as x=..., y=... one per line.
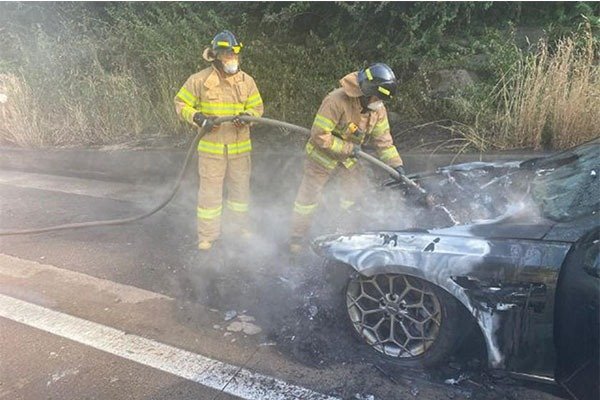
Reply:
x=226, y=41
x=378, y=80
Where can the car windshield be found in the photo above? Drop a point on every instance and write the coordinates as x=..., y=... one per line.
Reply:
x=566, y=185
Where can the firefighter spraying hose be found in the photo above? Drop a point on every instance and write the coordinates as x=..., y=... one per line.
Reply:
x=221, y=101
x=177, y=184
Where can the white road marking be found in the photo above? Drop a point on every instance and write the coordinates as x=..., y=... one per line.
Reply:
x=194, y=367
x=85, y=187
x=19, y=268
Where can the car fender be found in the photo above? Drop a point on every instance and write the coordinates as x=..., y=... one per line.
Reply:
x=507, y=285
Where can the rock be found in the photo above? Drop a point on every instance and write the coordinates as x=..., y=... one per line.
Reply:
x=446, y=81
x=235, y=326
x=251, y=329
x=229, y=315
x=527, y=37
x=247, y=327
x=217, y=327
x=246, y=318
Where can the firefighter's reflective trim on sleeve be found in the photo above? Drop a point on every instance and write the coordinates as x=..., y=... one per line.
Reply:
x=388, y=154
x=305, y=209
x=337, y=146
x=211, y=147
x=187, y=113
x=237, y=206
x=346, y=204
x=239, y=147
x=319, y=157
x=253, y=101
x=209, y=213
x=324, y=123
x=187, y=97
x=381, y=127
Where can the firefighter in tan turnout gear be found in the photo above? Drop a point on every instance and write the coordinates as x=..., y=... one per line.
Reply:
x=224, y=151
x=349, y=117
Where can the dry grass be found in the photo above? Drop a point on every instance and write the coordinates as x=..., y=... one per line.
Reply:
x=18, y=113
x=91, y=110
x=551, y=99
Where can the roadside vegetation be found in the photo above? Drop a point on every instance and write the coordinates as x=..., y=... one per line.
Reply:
x=475, y=76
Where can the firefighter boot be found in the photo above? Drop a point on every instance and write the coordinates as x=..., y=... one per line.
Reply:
x=296, y=245
x=204, y=245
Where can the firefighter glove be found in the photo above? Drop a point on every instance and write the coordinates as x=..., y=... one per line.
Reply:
x=238, y=122
x=355, y=150
x=400, y=169
x=203, y=121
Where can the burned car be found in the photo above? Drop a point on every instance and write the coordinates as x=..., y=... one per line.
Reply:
x=528, y=274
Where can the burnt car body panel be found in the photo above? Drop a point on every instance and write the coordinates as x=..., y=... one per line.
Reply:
x=505, y=270
x=507, y=285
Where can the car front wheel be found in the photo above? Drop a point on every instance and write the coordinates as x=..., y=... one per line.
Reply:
x=406, y=319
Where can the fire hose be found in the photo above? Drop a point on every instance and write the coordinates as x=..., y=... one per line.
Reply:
x=263, y=121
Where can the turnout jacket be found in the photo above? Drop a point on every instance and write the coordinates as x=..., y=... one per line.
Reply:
x=215, y=94
x=332, y=137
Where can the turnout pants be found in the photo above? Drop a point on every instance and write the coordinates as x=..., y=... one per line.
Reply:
x=309, y=194
x=216, y=175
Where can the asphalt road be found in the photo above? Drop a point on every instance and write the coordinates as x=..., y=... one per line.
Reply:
x=133, y=311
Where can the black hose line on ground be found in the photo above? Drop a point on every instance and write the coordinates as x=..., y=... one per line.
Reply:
x=188, y=157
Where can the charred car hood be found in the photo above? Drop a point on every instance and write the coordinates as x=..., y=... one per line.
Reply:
x=460, y=238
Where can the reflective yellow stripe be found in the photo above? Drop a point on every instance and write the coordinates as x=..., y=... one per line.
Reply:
x=223, y=44
x=253, y=101
x=239, y=147
x=383, y=90
x=319, y=157
x=349, y=162
x=219, y=148
x=388, y=154
x=305, y=209
x=187, y=97
x=221, y=109
x=337, y=146
x=346, y=204
x=237, y=206
x=211, y=147
x=381, y=128
x=187, y=113
x=369, y=75
x=324, y=123
x=209, y=213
